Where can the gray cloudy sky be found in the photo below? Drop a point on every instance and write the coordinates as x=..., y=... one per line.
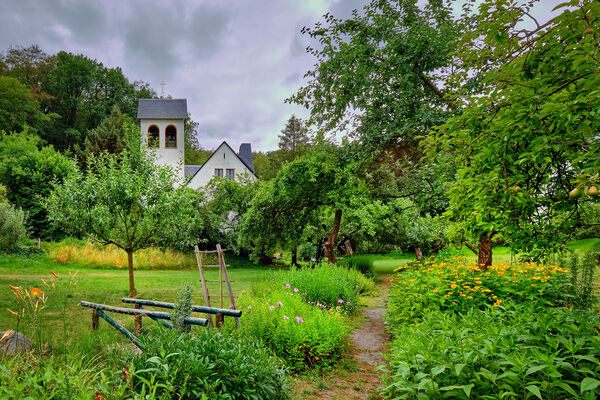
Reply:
x=235, y=61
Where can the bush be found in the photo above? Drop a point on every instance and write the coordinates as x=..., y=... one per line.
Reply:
x=55, y=377
x=307, y=251
x=363, y=264
x=458, y=285
x=304, y=335
x=209, y=366
x=580, y=291
x=12, y=226
x=327, y=284
x=520, y=351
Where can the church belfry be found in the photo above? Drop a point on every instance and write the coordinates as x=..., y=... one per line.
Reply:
x=162, y=123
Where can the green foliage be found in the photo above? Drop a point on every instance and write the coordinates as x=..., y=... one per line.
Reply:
x=307, y=251
x=581, y=273
x=305, y=335
x=29, y=175
x=19, y=109
x=330, y=285
x=108, y=136
x=210, y=366
x=194, y=153
x=54, y=377
x=183, y=308
x=294, y=136
x=125, y=199
x=528, y=138
x=455, y=286
x=225, y=203
x=520, y=351
x=363, y=264
x=12, y=226
x=379, y=70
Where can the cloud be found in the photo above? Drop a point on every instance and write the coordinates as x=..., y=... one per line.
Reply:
x=236, y=61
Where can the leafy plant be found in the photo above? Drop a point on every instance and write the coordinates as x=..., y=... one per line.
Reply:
x=363, y=264
x=12, y=226
x=331, y=285
x=305, y=335
x=183, y=308
x=581, y=279
x=517, y=351
x=212, y=366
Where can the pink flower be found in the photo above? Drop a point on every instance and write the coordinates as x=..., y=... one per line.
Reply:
x=271, y=308
x=341, y=301
x=279, y=304
x=303, y=294
x=249, y=307
x=285, y=317
x=288, y=286
x=296, y=290
x=299, y=320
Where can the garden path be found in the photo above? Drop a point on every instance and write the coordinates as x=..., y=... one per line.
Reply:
x=361, y=380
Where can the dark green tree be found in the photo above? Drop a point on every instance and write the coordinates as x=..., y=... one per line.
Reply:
x=294, y=136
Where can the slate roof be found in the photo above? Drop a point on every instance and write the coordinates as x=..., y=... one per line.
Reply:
x=189, y=170
x=245, y=155
x=162, y=108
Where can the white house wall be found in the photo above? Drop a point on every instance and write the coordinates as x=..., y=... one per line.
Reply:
x=172, y=157
x=223, y=158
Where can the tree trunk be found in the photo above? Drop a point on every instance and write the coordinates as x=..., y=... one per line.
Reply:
x=295, y=256
x=330, y=243
x=348, y=246
x=419, y=254
x=138, y=319
x=485, y=251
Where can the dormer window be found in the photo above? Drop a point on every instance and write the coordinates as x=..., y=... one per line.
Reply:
x=153, y=136
x=171, y=137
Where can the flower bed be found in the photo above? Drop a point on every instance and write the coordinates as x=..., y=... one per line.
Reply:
x=457, y=285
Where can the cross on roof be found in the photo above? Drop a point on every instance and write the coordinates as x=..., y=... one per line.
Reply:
x=163, y=84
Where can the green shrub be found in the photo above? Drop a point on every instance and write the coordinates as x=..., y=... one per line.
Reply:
x=209, y=366
x=304, y=335
x=183, y=309
x=457, y=285
x=307, y=251
x=580, y=292
x=327, y=284
x=12, y=226
x=55, y=377
x=363, y=264
x=520, y=351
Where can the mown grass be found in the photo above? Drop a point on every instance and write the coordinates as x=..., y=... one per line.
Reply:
x=99, y=285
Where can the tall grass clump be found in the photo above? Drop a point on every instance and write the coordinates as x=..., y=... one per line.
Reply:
x=363, y=264
x=580, y=293
x=327, y=284
x=111, y=256
x=307, y=336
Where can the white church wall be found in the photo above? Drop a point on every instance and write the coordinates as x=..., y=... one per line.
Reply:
x=223, y=158
x=173, y=157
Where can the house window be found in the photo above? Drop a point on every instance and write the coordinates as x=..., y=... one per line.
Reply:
x=219, y=172
x=153, y=136
x=171, y=137
x=230, y=173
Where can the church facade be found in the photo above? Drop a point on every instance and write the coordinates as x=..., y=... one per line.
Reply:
x=162, y=123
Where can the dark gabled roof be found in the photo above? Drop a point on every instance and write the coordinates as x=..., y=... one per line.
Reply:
x=245, y=155
x=191, y=169
x=162, y=108
x=213, y=153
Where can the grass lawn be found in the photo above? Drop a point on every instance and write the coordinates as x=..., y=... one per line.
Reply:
x=105, y=286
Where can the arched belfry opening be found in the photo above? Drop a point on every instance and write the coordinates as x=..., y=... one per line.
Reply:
x=171, y=137
x=153, y=136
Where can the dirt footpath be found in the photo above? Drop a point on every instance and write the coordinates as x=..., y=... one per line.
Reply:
x=361, y=380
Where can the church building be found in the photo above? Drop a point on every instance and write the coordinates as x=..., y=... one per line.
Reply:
x=162, y=123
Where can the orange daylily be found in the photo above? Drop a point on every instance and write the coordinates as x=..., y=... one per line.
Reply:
x=36, y=292
x=6, y=334
x=54, y=273
x=12, y=312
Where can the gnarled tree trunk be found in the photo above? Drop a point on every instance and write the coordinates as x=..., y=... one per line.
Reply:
x=419, y=254
x=484, y=258
x=329, y=245
x=348, y=247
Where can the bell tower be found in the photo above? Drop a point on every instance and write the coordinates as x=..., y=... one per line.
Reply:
x=162, y=123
